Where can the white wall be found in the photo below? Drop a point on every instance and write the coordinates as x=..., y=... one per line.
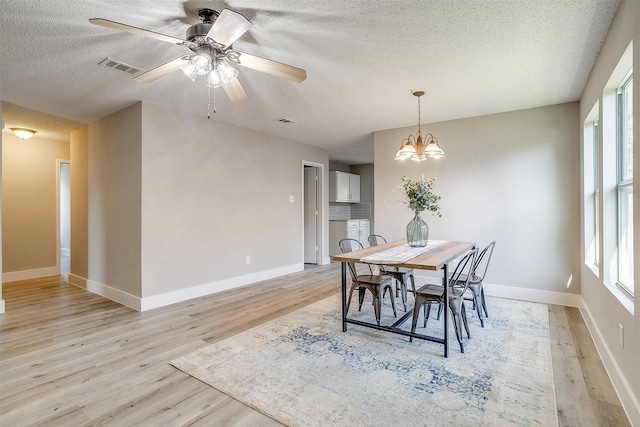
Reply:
x=604, y=308
x=511, y=177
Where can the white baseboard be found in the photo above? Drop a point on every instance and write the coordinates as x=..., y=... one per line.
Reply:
x=533, y=295
x=625, y=394
x=524, y=294
x=12, y=276
x=1, y=306
x=168, y=298
x=173, y=297
x=108, y=292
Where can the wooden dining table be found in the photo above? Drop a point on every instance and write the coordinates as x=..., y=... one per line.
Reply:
x=434, y=259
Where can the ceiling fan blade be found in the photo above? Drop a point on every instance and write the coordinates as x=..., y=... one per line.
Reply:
x=234, y=90
x=272, y=67
x=134, y=30
x=164, y=69
x=228, y=27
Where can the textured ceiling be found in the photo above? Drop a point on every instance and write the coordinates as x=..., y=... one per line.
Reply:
x=363, y=58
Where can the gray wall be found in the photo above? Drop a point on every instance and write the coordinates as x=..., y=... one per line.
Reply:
x=367, y=186
x=168, y=205
x=30, y=205
x=79, y=154
x=213, y=194
x=511, y=177
x=114, y=201
x=605, y=305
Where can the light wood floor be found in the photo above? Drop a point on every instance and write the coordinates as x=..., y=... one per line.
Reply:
x=71, y=358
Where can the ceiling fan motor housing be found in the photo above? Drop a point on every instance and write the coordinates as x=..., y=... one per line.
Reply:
x=208, y=17
x=198, y=30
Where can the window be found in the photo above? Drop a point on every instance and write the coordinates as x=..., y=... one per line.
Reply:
x=624, y=185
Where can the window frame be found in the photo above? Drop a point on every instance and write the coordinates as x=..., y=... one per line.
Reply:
x=596, y=192
x=624, y=183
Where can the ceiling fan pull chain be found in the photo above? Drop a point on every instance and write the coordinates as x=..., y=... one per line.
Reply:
x=209, y=102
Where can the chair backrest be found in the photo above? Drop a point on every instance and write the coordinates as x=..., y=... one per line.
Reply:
x=348, y=245
x=461, y=276
x=376, y=239
x=482, y=263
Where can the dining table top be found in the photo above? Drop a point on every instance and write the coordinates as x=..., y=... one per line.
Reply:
x=433, y=259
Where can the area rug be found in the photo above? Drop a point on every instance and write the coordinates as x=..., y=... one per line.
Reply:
x=302, y=370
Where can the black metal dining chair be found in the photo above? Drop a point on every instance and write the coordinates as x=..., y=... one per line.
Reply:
x=475, y=292
x=400, y=275
x=459, y=281
x=475, y=283
x=376, y=284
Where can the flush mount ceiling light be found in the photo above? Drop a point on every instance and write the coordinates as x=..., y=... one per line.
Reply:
x=415, y=148
x=23, y=133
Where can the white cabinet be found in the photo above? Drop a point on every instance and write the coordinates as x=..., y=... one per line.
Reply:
x=363, y=232
x=352, y=229
x=344, y=187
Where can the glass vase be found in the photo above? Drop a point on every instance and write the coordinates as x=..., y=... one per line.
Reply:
x=417, y=231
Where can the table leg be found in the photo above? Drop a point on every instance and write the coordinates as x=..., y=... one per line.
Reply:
x=446, y=310
x=344, y=296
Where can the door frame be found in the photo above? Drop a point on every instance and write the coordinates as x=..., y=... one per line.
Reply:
x=320, y=194
x=59, y=162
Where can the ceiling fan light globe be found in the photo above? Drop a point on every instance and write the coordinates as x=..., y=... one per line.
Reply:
x=226, y=72
x=213, y=79
x=190, y=71
x=201, y=63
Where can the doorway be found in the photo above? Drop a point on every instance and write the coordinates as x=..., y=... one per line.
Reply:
x=312, y=213
x=64, y=216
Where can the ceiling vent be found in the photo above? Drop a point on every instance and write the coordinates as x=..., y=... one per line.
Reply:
x=285, y=120
x=120, y=66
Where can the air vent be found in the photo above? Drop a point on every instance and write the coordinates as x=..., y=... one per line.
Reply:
x=285, y=120
x=120, y=66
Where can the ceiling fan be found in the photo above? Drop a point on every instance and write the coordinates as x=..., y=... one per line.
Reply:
x=211, y=52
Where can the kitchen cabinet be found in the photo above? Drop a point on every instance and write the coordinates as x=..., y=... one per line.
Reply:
x=358, y=229
x=344, y=187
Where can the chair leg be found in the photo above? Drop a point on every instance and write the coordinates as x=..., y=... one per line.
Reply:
x=361, y=291
x=377, y=301
x=413, y=284
x=416, y=311
x=403, y=290
x=476, y=305
x=484, y=303
x=353, y=287
x=427, y=311
x=393, y=301
x=465, y=321
x=455, y=316
x=439, y=311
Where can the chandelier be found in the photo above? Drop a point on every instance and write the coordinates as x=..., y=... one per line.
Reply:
x=417, y=149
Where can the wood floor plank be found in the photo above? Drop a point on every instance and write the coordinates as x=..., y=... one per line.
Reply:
x=69, y=357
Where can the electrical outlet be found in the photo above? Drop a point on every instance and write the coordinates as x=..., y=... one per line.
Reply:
x=621, y=335
x=248, y=259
